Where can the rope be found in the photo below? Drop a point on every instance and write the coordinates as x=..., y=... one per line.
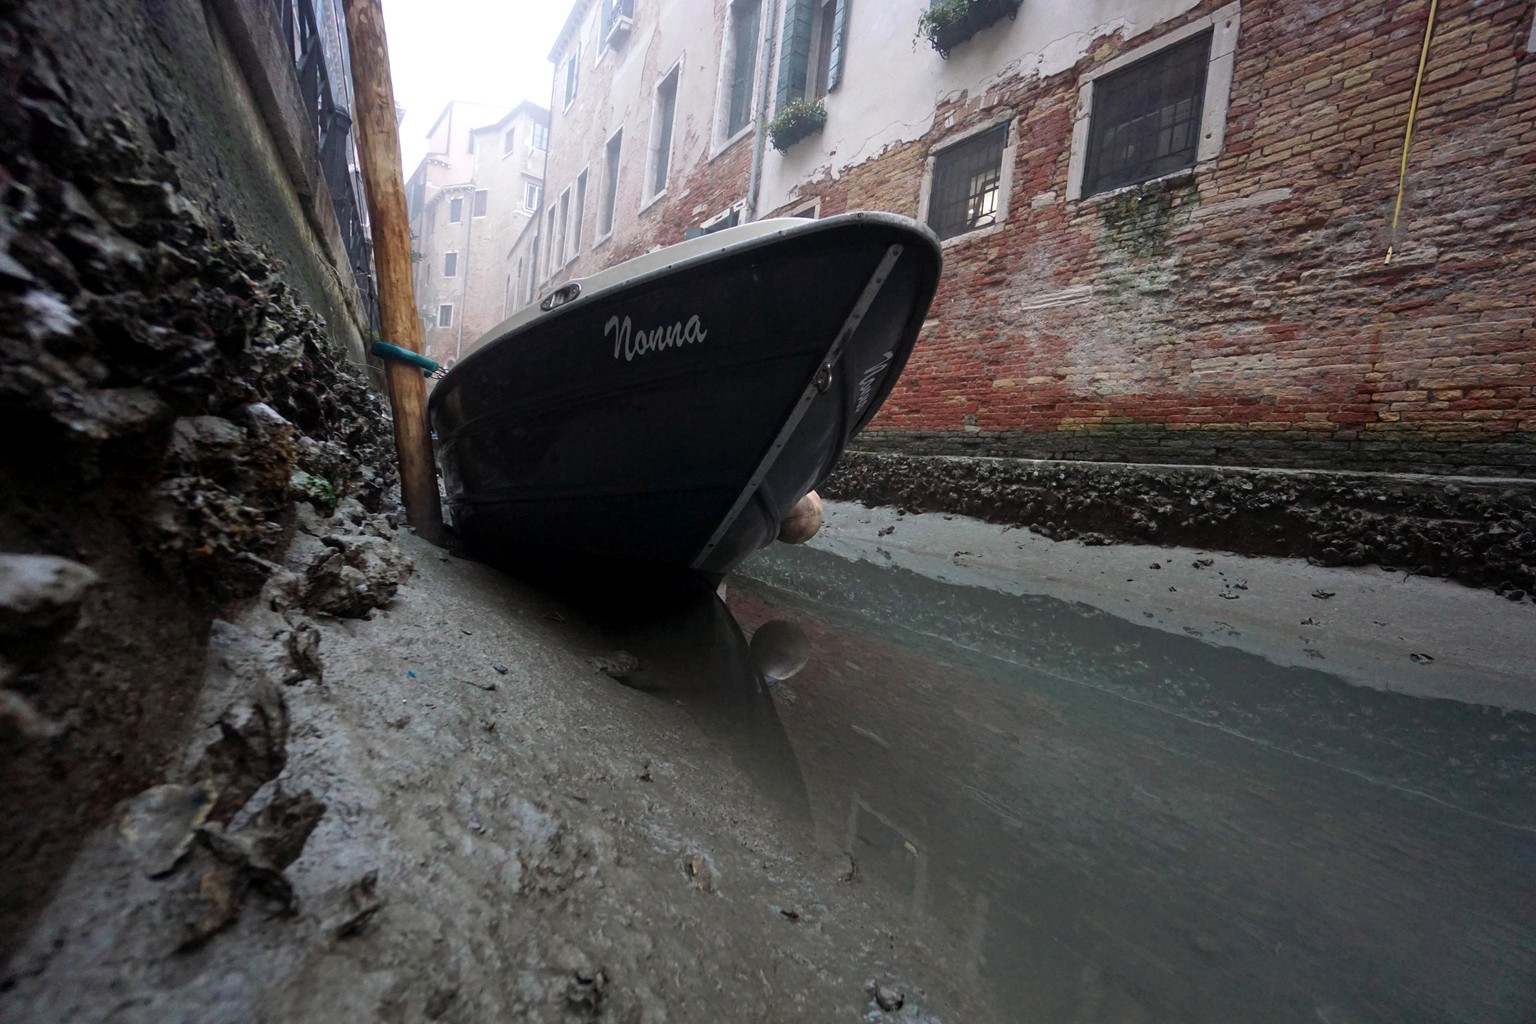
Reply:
x=1413, y=110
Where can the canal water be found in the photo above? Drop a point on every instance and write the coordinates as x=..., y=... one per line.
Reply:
x=1090, y=820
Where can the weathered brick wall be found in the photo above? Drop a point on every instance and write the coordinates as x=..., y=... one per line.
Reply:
x=1244, y=314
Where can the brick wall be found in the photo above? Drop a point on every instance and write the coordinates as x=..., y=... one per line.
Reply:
x=1243, y=313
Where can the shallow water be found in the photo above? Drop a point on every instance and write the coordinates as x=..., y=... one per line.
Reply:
x=1093, y=820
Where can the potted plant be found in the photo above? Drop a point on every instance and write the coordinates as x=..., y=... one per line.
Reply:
x=948, y=23
x=796, y=120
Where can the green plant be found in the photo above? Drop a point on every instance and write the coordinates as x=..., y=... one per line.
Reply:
x=796, y=120
x=948, y=23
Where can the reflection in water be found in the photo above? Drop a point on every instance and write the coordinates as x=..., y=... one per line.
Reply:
x=1086, y=820
x=689, y=649
x=780, y=650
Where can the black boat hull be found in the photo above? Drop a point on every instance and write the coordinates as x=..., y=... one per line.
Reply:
x=673, y=417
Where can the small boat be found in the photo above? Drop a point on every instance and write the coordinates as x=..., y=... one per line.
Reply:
x=668, y=412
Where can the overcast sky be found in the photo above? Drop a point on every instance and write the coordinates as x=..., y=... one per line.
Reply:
x=485, y=51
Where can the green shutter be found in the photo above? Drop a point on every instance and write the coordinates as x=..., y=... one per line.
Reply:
x=839, y=41
x=795, y=51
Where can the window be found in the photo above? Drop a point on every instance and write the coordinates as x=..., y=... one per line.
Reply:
x=826, y=39
x=551, y=232
x=812, y=49
x=533, y=262
x=455, y=211
x=579, y=213
x=482, y=199
x=561, y=249
x=445, y=315
x=450, y=264
x=967, y=182
x=729, y=219
x=742, y=62
x=661, y=132
x=610, y=182
x=571, y=67
x=509, y=141
x=540, y=139
x=614, y=12
x=1146, y=118
x=531, y=195
x=1158, y=110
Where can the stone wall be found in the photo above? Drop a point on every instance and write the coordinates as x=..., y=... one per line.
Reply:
x=1243, y=313
x=175, y=333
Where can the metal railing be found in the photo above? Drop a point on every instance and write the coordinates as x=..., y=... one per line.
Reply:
x=332, y=125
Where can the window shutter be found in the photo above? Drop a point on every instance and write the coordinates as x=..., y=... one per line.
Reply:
x=839, y=43
x=795, y=52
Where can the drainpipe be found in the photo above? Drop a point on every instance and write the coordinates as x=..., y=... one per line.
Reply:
x=469, y=236
x=758, y=134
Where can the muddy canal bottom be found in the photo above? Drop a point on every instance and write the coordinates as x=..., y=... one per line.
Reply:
x=1100, y=821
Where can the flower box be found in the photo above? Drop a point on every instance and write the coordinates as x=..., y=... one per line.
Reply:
x=948, y=23
x=796, y=120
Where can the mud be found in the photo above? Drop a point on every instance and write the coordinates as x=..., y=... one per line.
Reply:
x=166, y=400
x=1477, y=532
x=469, y=820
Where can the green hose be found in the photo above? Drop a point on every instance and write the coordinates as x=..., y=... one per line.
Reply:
x=384, y=350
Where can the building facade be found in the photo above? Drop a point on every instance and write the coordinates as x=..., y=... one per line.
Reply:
x=468, y=202
x=1166, y=223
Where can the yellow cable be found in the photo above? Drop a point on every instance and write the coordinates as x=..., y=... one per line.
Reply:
x=1413, y=110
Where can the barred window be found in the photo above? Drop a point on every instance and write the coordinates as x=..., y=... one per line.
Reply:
x=1146, y=118
x=967, y=178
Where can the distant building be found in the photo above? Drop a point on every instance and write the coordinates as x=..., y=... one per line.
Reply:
x=468, y=202
x=1165, y=222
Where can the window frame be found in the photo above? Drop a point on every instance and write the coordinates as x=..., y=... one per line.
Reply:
x=578, y=211
x=481, y=206
x=1004, y=179
x=725, y=136
x=1224, y=25
x=539, y=134
x=509, y=141
x=454, y=254
x=609, y=210
x=656, y=160
x=456, y=210
x=572, y=76
x=440, y=323
x=536, y=190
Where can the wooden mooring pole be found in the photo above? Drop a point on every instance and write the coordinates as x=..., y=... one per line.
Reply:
x=378, y=150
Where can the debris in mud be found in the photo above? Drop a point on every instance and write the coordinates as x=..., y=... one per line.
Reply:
x=885, y=531
x=40, y=598
x=617, y=665
x=362, y=903
x=159, y=825
x=487, y=686
x=356, y=574
x=887, y=998
x=1420, y=659
x=499, y=669
x=1203, y=563
x=1322, y=595
x=700, y=869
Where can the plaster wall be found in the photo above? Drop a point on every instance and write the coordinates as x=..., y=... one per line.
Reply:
x=894, y=85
